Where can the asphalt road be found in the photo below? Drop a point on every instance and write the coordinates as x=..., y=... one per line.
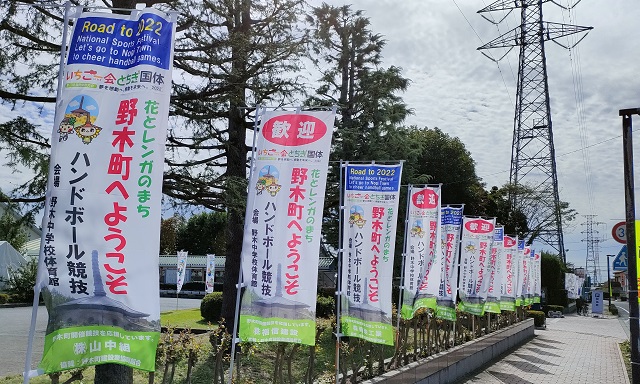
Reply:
x=14, y=333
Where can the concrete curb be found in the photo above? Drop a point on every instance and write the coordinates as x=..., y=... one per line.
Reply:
x=458, y=362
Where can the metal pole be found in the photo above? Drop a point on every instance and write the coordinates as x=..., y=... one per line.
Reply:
x=240, y=284
x=629, y=190
x=343, y=165
x=28, y=373
x=404, y=260
x=609, y=278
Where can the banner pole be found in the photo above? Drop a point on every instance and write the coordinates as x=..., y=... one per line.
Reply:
x=343, y=164
x=234, y=339
x=37, y=287
x=404, y=260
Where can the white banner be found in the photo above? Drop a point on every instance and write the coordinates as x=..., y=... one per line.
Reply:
x=527, y=297
x=451, y=224
x=101, y=230
x=210, y=276
x=508, y=276
x=492, y=303
x=371, y=194
x=537, y=278
x=477, y=237
x=181, y=269
x=423, y=250
x=283, y=227
x=520, y=273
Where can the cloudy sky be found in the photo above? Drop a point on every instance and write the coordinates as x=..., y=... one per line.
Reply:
x=457, y=89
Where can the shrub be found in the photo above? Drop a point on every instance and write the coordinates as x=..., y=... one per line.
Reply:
x=613, y=309
x=325, y=306
x=538, y=318
x=4, y=298
x=211, y=307
x=169, y=287
x=548, y=308
x=19, y=285
x=327, y=292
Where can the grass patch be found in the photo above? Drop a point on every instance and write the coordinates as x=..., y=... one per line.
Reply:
x=625, y=348
x=184, y=318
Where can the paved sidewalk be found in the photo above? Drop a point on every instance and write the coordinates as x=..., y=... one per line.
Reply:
x=574, y=349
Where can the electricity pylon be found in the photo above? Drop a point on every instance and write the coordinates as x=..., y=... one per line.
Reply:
x=533, y=163
x=592, y=264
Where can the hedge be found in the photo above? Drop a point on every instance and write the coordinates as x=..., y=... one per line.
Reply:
x=211, y=307
x=538, y=318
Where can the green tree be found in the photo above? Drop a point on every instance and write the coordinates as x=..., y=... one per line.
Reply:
x=203, y=234
x=21, y=281
x=499, y=204
x=348, y=56
x=169, y=234
x=552, y=271
x=13, y=226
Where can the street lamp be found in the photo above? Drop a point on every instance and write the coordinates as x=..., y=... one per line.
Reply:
x=609, y=278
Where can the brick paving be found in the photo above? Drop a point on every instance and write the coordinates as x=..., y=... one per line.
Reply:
x=574, y=349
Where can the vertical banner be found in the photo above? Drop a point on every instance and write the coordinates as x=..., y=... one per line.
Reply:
x=371, y=202
x=477, y=236
x=181, y=269
x=526, y=276
x=508, y=276
x=283, y=227
x=537, y=278
x=570, y=285
x=423, y=250
x=210, y=275
x=493, y=290
x=519, y=273
x=451, y=224
x=98, y=265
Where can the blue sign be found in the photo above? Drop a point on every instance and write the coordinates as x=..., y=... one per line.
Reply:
x=597, y=303
x=122, y=44
x=620, y=261
x=373, y=178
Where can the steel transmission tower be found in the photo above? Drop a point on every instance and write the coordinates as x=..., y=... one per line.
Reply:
x=592, y=267
x=533, y=165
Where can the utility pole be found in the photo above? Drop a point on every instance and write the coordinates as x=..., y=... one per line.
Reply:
x=632, y=250
x=533, y=160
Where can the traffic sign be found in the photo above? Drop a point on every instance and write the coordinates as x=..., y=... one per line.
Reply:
x=619, y=232
x=620, y=261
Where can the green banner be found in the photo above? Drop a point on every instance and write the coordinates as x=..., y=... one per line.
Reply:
x=424, y=302
x=471, y=308
x=259, y=329
x=406, y=311
x=493, y=307
x=373, y=331
x=76, y=347
x=507, y=305
x=446, y=313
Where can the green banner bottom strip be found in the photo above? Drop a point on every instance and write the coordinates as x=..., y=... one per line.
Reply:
x=258, y=329
x=76, y=347
x=375, y=332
